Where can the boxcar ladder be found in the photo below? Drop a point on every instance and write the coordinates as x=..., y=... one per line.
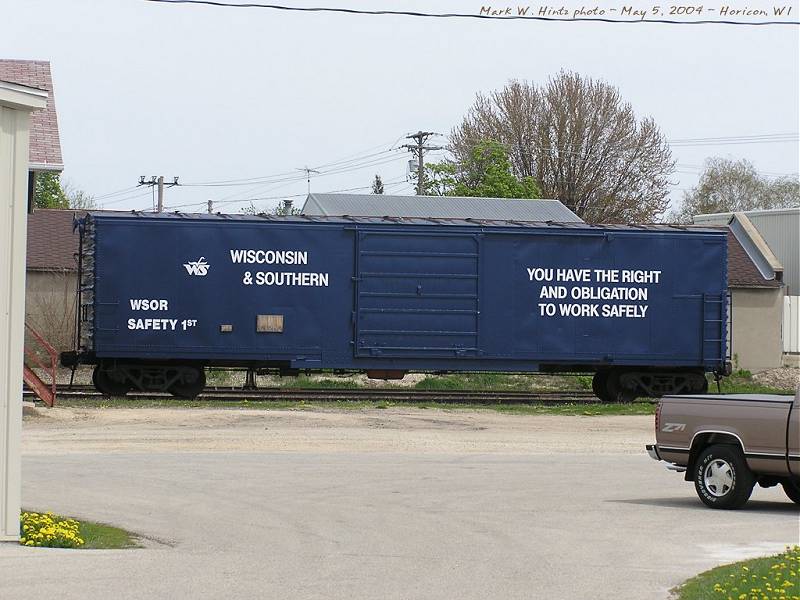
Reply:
x=713, y=341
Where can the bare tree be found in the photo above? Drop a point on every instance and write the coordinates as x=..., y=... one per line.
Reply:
x=50, y=308
x=283, y=208
x=727, y=186
x=579, y=141
x=77, y=198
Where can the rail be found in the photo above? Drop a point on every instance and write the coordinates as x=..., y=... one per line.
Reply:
x=410, y=395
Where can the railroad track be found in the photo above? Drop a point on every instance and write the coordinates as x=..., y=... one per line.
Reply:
x=359, y=394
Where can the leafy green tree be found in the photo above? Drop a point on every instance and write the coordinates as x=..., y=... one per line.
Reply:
x=485, y=172
x=377, y=185
x=728, y=186
x=48, y=192
x=440, y=179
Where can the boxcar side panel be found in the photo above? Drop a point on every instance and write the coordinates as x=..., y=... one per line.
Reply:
x=436, y=297
x=207, y=283
x=619, y=297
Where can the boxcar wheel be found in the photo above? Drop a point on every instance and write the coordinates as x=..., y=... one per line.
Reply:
x=110, y=382
x=616, y=392
x=792, y=489
x=600, y=386
x=722, y=478
x=189, y=384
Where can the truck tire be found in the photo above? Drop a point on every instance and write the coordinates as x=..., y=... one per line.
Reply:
x=722, y=478
x=792, y=489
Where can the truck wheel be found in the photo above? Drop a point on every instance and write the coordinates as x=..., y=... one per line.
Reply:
x=722, y=478
x=600, y=386
x=792, y=489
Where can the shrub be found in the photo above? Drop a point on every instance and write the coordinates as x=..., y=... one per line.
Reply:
x=49, y=530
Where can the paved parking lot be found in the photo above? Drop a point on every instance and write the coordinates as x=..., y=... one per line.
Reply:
x=376, y=514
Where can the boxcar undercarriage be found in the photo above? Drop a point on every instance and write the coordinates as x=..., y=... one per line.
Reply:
x=117, y=377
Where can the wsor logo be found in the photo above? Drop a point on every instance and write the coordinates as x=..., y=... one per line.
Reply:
x=197, y=267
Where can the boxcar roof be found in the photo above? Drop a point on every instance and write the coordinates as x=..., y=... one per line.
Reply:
x=180, y=216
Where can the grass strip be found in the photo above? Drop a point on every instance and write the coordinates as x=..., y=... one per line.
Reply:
x=769, y=578
x=99, y=536
x=580, y=409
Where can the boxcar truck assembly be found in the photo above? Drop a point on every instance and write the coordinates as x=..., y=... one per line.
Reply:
x=162, y=296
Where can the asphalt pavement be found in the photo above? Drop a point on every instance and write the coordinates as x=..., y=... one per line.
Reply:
x=384, y=526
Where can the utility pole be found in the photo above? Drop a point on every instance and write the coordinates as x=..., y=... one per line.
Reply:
x=160, y=205
x=308, y=173
x=419, y=150
x=210, y=207
x=158, y=182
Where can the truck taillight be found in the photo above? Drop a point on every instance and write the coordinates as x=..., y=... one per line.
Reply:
x=658, y=416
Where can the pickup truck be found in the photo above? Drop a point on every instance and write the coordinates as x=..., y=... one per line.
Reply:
x=726, y=444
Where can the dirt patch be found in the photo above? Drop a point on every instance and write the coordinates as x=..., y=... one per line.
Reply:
x=394, y=430
x=785, y=378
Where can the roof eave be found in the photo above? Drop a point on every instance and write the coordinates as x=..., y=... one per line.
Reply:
x=46, y=167
x=22, y=97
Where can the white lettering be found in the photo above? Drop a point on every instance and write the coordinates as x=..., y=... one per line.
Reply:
x=152, y=324
x=553, y=291
x=269, y=257
x=291, y=279
x=147, y=304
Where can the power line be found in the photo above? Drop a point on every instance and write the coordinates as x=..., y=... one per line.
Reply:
x=283, y=196
x=262, y=178
x=695, y=169
x=730, y=141
x=297, y=178
x=511, y=17
x=271, y=178
x=768, y=138
x=126, y=198
x=126, y=190
x=781, y=136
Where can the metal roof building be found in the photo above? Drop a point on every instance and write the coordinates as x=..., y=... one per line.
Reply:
x=446, y=207
x=780, y=229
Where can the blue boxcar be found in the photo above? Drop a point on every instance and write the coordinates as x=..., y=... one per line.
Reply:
x=165, y=295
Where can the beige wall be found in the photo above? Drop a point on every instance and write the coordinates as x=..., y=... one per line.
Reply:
x=50, y=306
x=15, y=104
x=757, y=317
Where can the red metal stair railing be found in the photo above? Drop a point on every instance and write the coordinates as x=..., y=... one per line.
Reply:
x=46, y=392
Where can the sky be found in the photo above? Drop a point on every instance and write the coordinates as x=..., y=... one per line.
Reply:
x=221, y=94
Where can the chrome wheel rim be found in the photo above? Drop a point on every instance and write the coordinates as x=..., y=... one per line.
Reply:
x=718, y=477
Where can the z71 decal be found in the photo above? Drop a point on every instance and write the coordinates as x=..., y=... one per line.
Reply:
x=671, y=427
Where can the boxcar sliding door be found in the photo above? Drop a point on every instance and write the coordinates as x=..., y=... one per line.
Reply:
x=417, y=295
